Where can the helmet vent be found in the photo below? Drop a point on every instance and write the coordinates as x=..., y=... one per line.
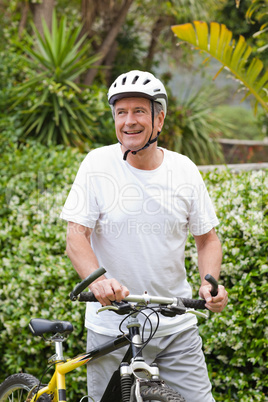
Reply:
x=146, y=81
x=124, y=80
x=157, y=90
x=135, y=79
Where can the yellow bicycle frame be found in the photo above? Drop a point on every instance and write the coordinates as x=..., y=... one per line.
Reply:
x=57, y=386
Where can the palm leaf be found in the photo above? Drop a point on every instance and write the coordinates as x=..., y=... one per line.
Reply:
x=56, y=109
x=65, y=121
x=44, y=44
x=42, y=119
x=257, y=6
x=49, y=44
x=40, y=102
x=48, y=134
x=217, y=41
x=68, y=48
x=56, y=35
x=58, y=106
x=37, y=57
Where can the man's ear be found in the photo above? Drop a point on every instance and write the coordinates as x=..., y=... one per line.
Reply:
x=160, y=120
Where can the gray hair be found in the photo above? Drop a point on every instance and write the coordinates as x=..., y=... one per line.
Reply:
x=157, y=109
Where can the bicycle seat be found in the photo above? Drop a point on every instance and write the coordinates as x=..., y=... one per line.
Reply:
x=40, y=326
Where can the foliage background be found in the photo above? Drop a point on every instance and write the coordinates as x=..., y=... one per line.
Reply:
x=36, y=276
x=143, y=43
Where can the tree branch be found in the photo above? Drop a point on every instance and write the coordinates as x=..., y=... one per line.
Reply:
x=24, y=14
x=89, y=13
x=158, y=26
x=109, y=40
x=42, y=10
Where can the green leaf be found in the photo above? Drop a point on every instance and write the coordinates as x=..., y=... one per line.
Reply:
x=49, y=45
x=56, y=110
x=55, y=33
x=64, y=136
x=51, y=100
x=44, y=48
x=64, y=119
x=41, y=120
x=49, y=134
x=41, y=101
x=219, y=44
x=72, y=85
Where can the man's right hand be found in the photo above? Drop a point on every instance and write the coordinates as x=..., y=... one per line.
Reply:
x=108, y=290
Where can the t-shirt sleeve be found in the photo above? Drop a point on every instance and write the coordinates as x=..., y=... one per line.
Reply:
x=81, y=205
x=202, y=217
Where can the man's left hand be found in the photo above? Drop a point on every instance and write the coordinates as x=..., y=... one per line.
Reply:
x=216, y=303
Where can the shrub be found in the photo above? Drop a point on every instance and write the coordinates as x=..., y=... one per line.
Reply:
x=235, y=341
x=191, y=126
x=54, y=108
x=254, y=127
x=36, y=276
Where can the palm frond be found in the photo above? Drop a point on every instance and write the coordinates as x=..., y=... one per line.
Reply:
x=257, y=6
x=216, y=40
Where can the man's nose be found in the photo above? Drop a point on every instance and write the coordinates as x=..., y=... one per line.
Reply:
x=130, y=119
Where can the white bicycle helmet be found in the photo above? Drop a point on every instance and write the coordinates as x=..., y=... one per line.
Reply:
x=138, y=84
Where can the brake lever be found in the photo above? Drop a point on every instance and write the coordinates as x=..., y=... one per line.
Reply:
x=121, y=308
x=173, y=309
x=104, y=308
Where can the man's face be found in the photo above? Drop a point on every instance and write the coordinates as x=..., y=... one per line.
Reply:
x=133, y=122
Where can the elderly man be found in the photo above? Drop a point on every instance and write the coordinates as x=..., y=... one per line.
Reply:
x=129, y=210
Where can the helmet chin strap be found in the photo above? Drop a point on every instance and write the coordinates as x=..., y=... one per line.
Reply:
x=149, y=142
x=145, y=146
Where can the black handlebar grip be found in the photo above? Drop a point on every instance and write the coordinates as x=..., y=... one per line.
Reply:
x=194, y=303
x=87, y=297
x=87, y=281
x=209, y=278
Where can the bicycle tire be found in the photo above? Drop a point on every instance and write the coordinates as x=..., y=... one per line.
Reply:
x=160, y=393
x=17, y=387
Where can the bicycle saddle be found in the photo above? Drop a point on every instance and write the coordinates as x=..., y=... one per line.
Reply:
x=40, y=326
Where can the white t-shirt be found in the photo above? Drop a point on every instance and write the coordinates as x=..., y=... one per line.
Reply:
x=141, y=220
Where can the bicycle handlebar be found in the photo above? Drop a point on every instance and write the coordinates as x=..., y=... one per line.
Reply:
x=78, y=294
x=86, y=282
x=145, y=298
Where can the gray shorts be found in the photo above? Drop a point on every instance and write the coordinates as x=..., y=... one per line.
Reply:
x=179, y=357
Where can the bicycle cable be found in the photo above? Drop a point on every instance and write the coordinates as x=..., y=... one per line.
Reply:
x=152, y=331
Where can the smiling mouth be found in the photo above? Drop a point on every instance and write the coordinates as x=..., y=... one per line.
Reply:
x=133, y=132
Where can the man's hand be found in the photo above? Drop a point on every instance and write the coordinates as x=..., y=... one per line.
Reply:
x=108, y=290
x=216, y=303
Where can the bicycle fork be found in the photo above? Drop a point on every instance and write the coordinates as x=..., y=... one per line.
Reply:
x=138, y=368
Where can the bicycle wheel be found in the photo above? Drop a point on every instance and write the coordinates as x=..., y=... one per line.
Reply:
x=17, y=387
x=160, y=393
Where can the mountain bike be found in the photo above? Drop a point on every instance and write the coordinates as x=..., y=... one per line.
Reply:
x=134, y=380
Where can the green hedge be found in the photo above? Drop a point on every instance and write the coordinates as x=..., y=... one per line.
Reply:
x=36, y=276
x=235, y=341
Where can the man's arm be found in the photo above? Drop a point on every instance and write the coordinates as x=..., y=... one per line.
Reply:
x=209, y=262
x=84, y=260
